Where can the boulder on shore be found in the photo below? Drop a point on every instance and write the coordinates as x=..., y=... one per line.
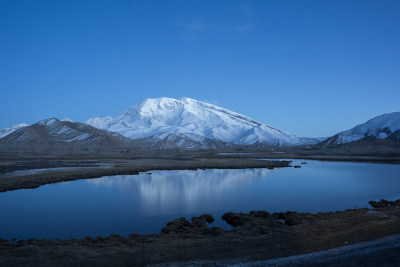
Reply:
x=197, y=226
x=383, y=203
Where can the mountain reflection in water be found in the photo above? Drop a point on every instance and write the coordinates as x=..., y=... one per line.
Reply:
x=164, y=192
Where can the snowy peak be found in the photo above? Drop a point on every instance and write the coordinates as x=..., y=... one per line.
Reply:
x=155, y=112
x=6, y=131
x=99, y=122
x=380, y=127
x=189, y=119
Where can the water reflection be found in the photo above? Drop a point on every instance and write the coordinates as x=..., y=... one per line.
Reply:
x=144, y=203
x=165, y=192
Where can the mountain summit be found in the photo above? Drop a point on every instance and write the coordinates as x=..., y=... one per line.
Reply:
x=190, y=123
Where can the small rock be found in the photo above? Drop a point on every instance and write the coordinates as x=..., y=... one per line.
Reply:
x=236, y=219
x=134, y=236
x=113, y=237
x=3, y=241
x=100, y=238
x=176, y=226
x=260, y=214
x=281, y=221
x=377, y=214
x=382, y=203
x=216, y=231
x=202, y=220
x=291, y=220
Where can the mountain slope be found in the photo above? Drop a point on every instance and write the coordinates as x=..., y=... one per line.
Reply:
x=195, y=124
x=52, y=132
x=7, y=131
x=385, y=126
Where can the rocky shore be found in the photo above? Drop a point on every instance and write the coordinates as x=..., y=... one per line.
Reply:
x=256, y=236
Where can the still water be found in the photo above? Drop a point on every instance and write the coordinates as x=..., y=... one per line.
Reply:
x=145, y=203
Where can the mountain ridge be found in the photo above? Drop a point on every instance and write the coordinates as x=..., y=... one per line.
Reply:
x=192, y=124
x=195, y=120
x=6, y=131
x=53, y=132
x=379, y=127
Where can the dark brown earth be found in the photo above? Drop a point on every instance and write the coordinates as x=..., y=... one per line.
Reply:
x=121, y=167
x=131, y=161
x=256, y=236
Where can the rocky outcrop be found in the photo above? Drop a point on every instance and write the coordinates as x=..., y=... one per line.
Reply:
x=197, y=226
x=293, y=218
x=256, y=235
x=177, y=226
x=383, y=203
x=201, y=221
x=265, y=219
x=237, y=219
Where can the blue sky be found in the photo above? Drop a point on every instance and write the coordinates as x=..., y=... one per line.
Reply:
x=311, y=68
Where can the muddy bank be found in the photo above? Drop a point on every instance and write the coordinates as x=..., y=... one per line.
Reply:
x=256, y=236
x=123, y=167
x=107, y=163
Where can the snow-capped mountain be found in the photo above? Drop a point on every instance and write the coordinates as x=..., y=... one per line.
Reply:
x=55, y=132
x=191, y=123
x=7, y=131
x=385, y=126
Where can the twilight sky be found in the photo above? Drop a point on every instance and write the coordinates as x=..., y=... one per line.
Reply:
x=311, y=68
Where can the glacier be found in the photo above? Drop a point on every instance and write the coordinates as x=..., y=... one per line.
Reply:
x=188, y=120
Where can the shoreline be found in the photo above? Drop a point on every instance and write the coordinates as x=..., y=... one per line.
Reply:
x=131, y=168
x=256, y=236
x=130, y=165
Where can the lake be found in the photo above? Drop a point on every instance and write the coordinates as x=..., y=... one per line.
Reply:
x=145, y=203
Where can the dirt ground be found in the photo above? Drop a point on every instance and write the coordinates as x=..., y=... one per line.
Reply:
x=256, y=237
x=93, y=164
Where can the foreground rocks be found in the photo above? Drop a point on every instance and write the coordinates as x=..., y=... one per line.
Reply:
x=257, y=235
x=198, y=226
x=383, y=203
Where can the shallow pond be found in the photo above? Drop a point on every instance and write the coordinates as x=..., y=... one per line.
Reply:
x=145, y=203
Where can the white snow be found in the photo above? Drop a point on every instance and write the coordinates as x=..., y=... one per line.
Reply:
x=194, y=120
x=99, y=122
x=63, y=132
x=81, y=137
x=6, y=131
x=379, y=127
